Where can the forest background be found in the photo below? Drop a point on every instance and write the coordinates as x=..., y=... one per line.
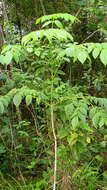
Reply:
x=53, y=104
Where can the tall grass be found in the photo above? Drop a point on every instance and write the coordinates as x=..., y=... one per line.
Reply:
x=13, y=184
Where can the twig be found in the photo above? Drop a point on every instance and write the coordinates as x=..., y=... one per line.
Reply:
x=34, y=118
x=78, y=12
x=90, y=35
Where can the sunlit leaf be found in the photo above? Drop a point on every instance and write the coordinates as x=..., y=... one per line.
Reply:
x=28, y=100
x=96, y=52
x=75, y=122
x=103, y=56
x=17, y=100
x=1, y=107
x=8, y=58
x=82, y=56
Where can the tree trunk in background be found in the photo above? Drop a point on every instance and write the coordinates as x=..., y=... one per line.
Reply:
x=4, y=19
x=2, y=38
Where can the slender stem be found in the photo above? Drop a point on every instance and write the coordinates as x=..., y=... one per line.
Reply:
x=90, y=35
x=18, y=113
x=55, y=148
x=53, y=130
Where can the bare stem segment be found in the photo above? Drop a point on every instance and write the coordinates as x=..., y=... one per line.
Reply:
x=55, y=149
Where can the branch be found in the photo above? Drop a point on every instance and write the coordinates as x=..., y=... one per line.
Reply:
x=90, y=35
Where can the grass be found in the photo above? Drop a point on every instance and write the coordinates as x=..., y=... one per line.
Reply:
x=13, y=184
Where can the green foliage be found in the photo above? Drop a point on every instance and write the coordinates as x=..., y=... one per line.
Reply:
x=11, y=53
x=48, y=34
x=47, y=71
x=63, y=16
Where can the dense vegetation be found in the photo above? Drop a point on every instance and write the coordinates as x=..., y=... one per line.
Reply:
x=53, y=105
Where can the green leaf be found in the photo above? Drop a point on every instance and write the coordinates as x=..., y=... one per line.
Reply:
x=92, y=112
x=101, y=122
x=88, y=139
x=91, y=46
x=46, y=24
x=63, y=133
x=75, y=122
x=2, y=149
x=103, y=144
x=30, y=49
x=96, y=119
x=103, y=56
x=69, y=109
x=37, y=52
x=73, y=139
x=82, y=56
x=28, y=100
x=2, y=59
x=102, y=102
x=6, y=48
x=99, y=158
x=96, y=52
x=104, y=45
x=32, y=165
x=86, y=127
x=16, y=57
x=1, y=107
x=23, y=133
x=4, y=101
x=58, y=24
x=83, y=110
x=71, y=51
x=17, y=100
x=8, y=58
